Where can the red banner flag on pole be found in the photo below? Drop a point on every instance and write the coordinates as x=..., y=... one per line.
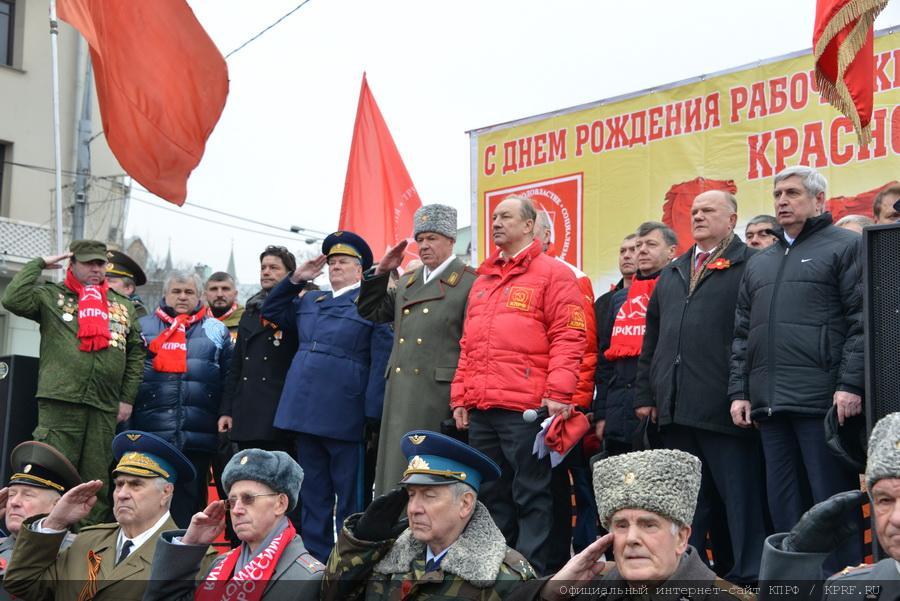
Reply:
x=379, y=196
x=843, y=48
x=161, y=86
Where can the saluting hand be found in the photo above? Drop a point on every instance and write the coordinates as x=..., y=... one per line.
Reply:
x=4, y=495
x=309, y=270
x=206, y=525
x=392, y=259
x=581, y=568
x=73, y=506
x=53, y=261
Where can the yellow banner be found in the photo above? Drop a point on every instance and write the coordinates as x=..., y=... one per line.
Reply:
x=601, y=169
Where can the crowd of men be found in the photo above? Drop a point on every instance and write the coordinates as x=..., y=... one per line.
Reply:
x=682, y=410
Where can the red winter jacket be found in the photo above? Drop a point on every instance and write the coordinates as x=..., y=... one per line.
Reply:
x=584, y=392
x=524, y=335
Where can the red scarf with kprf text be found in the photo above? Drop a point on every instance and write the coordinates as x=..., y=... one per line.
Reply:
x=631, y=320
x=170, y=347
x=93, y=314
x=249, y=582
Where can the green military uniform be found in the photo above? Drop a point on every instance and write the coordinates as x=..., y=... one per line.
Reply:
x=428, y=323
x=39, y=571
x=478, y=565
x=79, y=392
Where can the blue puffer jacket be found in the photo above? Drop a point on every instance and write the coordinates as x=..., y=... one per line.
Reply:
x=184, y=408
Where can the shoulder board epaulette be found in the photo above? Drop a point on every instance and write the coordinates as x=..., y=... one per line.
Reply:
x=516, y=562
x=110, y=526
x=320, y=298
x=854, y=570
x=312, y=564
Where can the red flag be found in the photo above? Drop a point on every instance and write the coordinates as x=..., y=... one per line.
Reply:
x=842, y=45
x=161, y=85
x=379, y=196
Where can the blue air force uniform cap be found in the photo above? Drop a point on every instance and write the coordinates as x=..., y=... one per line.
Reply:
x=149, y=456
x=434, y=458
x=348, y=243
x=39, y=465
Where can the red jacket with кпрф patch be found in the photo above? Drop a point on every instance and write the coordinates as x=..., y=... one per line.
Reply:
x=524, y=334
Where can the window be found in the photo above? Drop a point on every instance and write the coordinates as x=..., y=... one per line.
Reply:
x=7, y=25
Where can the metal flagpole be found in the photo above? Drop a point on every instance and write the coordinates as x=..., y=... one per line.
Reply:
x=54, y=59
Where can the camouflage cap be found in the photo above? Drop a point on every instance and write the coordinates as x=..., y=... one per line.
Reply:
x=88, y=250
x=665, y=482
x=884, y=450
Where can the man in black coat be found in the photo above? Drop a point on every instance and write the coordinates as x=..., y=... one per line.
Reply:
x=262, y=355
x=683, y=375
x=798, y=350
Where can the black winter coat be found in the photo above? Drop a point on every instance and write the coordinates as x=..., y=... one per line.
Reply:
x=262, y=356
x=684, y=364
x=798, y=332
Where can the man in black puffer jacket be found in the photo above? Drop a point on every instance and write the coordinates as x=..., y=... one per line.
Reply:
x=798, y=350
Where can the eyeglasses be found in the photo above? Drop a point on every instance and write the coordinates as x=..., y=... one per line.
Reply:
x=277, y=248
x=246, y=499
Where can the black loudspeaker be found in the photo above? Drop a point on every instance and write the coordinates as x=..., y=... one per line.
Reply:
x=18, y=409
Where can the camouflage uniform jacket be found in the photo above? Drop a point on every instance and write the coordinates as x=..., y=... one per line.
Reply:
x=478, y=565
x=99, y=379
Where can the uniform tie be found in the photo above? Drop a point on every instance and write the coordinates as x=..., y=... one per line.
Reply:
x=431, y=565
x=126, y=549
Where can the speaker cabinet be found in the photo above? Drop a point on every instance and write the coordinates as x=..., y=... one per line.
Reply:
x=18, y=409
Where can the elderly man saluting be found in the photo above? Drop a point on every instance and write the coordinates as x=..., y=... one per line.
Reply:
x=646, y=500
x=452, y=548
x=107, y=561
x=40, y=476
x=271, y=562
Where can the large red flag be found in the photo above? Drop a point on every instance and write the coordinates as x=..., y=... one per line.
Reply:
x=161, y=85
x=379, y=196
x=842, y=45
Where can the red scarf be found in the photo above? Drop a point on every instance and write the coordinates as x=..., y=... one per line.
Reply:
x=93, y=314
x=631, y=320
x=170, y=347
x=251, y=581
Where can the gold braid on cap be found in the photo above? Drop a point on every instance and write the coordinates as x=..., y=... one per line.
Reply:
x=141, y=465
x=53, y=485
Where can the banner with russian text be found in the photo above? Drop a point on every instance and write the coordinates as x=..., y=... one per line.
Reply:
x=601, y=169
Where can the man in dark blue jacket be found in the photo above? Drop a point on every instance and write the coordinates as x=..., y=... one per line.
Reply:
x=189, y=353
x=798, y=351
x=335, y=381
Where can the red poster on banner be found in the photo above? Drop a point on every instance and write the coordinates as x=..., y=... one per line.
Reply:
x=561, y=198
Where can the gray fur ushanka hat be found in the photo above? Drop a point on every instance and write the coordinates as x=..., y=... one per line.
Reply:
x=884, y=450
x=275, y=469
x=440, y=219
x=665, y=482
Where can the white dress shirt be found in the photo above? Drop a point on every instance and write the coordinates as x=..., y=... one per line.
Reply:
x=432, y=273
x=344, y=290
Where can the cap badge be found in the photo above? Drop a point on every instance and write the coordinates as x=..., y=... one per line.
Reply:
x=628, y=478
x=417, y=438
x=110, y=267
x=423, y=218
x=133, y=437
x=897, y=445
x=337, y=233
x=417, y=463
x=27, y=468
x=244, y=460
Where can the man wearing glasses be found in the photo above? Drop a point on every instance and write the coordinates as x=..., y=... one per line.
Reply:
x=270, y=563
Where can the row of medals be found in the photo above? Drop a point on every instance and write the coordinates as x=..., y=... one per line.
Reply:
x=117, y=318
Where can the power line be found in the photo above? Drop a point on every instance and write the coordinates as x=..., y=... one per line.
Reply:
x=283, y=17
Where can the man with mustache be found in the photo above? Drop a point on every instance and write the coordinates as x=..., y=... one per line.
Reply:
x=451, y=547
x=646, y=500
x=40, y=476
x=108, y=561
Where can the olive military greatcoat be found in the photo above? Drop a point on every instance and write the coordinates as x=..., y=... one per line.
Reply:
x=428, y=322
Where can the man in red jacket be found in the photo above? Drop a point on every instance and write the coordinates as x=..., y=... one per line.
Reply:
x=523, y=340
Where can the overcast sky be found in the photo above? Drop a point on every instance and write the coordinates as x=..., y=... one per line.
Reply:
x=436, y=69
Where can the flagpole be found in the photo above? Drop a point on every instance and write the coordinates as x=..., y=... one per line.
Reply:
x=54, y=60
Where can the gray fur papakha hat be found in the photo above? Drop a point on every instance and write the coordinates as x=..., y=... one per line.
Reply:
x=439, y=219
x=665, y=482
x=884, y=450
x=275, y=469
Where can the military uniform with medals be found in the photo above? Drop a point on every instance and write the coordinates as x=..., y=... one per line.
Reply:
x=79, y=392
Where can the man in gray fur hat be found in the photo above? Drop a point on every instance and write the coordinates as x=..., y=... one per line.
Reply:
x=797, y=556
x=271, y=562
x=646, y=500
x=427, y=309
